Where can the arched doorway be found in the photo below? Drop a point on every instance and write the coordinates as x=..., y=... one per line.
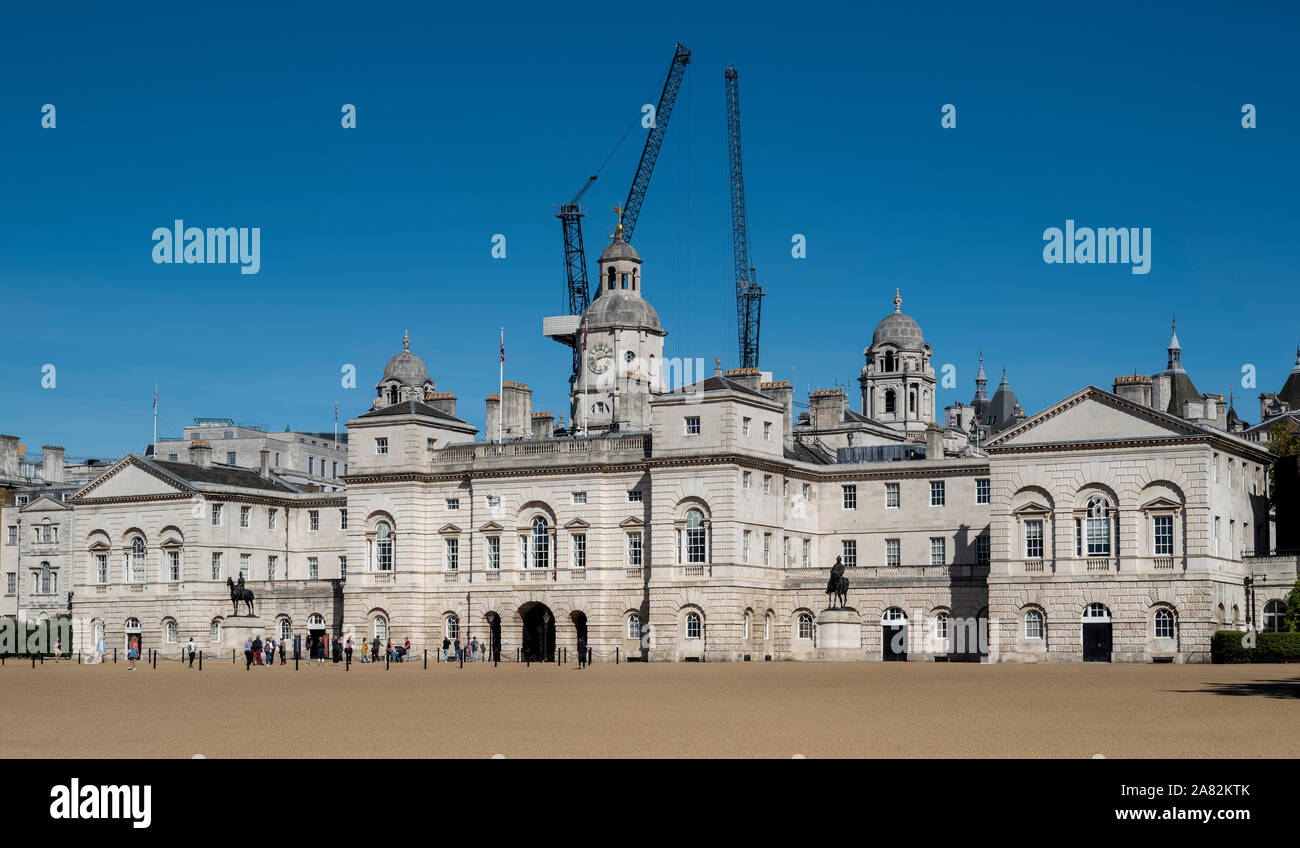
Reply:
x=1096, y=633
x=579, y=619
x=316, y=644
x=893, y=633
x=494, y=636
x=134, y=633
x=539, y=632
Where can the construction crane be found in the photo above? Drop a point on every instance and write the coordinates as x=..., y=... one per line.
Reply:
x=564, y=328
x=749, y=297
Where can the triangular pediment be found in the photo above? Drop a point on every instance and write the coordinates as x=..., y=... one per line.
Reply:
x=1161, y=503
x=131, y=477
x=1094, y=415
x=45, y=503
x=631, y=522
x=577, y=524
x=449, y=530
x=1032, y=508
x=491, y=527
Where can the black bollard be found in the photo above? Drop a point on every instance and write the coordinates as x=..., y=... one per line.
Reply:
x=387, y=661
x=33, y=661
x=42, y=659
x=426, y=659
x=462, y=659
x=115, y=656
x=615, y=655
x=155, y=660
x=347, y=663
x=200, y=660
x=295, y=662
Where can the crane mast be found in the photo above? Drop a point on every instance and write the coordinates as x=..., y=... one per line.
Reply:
x=749, y=296
x=564, y=329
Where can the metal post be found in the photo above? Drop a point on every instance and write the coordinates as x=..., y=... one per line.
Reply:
x=200, y=660
x=462, y=659
x=616, y=655
x=155, y=660
x=387, y=660
x=426, y=659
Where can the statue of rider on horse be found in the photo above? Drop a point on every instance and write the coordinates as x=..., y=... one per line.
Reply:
x=238, y=593
x=837, y=588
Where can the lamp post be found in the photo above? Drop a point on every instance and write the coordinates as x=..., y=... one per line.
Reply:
x=546, y=628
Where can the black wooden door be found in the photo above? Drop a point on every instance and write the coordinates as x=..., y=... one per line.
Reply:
x=1096, y=642
x=895, y=642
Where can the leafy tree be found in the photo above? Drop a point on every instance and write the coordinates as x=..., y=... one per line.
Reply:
x=1291, y=621
x=1284, y=441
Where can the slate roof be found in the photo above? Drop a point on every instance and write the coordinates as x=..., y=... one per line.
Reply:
x=222, y=475
x=718, y=384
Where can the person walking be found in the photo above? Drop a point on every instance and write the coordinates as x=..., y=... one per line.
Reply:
x=58, y=649
x=322, y=647
x=582, y=653
x=365, y=650
x=281, y=652
x=459, y=653
x=257, y=650
x=132, y=653
x=348, y=650
x=473, y=648
x=406, y=654
x=270, y=651
x=100, y=650
x=248, y=654
x=190, y=649
x=446, y=646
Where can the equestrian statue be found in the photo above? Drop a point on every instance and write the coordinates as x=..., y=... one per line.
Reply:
x=837, y=588
x=238, y=592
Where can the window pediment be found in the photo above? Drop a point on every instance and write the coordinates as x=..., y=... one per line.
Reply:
x=577, y=524
x=631, y=521
x=491, y=527
x=1161, y=504
x=449, y=530
x=1033, y=508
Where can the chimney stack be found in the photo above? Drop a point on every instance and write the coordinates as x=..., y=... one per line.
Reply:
x=9, y=457
x=826, y=408
x=933, y=441
x=543, y=425
x=516, y=410
x=265, y=456
x=442, y=401
x=52, y=463
x=750, y=378
x=1136, y=388
x=200, y=453
x=493, y=417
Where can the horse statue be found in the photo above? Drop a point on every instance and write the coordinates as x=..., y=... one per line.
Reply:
x=837, y=588
x=239, y=593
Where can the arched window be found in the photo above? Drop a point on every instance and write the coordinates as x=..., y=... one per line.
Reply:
x=1098, y=529
x=694, y=626
x=941, y=626
x=214, y=630
x=286, y=630
x=911, y=401
x=136, y=574
x=381, y=628
x=1096, y=612
x=696, y=541
x=1274, y=615
x=893, y=615
x=541, y=542
x=635, y=275
x=767, y=626
x=45, y=578
x=634, y=626
x=133, y=624
x=99, y=633
x=745, y=634
x=383, y=547
x=1033, y=624
x=889, y=361
x=890, y=400
x=805, y=626
x=1164, y=624
x=610, y=277
x=170, y=628
x=315, y=621
x=453, y=627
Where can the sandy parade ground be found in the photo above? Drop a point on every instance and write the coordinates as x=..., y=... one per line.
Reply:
x=649, y=710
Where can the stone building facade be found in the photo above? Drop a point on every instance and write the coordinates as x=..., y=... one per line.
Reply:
x=699, y=522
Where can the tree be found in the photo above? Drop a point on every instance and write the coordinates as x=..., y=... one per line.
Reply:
x=1291, y=620
x=1284, y=441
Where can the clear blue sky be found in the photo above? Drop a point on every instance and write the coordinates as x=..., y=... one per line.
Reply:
x=477, y=119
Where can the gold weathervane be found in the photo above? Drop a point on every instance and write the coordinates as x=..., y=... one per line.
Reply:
x=618, y=233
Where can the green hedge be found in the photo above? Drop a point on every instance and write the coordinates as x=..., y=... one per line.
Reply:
x=1226, y=647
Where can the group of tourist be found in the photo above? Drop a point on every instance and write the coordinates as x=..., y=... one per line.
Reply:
x=375, y=652
x=472, y=651
x=256, y=651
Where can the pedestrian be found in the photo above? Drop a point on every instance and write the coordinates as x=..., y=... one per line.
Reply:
x=446, y=646
x=407, y=645
x=190, y=648
x=460, y=652
x=374, y=650
x=281, y=652
x=270, y=651
x=582, y=653
x=348, y=649
x=365, y=650
x=132, y=653
x=388, y=650
x=322, y=646
x=248, y=654
x=257, y=650
x=58, y=649
x=100, y=650
x=473, y=648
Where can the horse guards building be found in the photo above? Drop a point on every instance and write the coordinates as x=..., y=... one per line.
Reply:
x=694, y=520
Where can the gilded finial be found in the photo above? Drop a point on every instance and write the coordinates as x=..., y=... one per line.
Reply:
x=618, y=233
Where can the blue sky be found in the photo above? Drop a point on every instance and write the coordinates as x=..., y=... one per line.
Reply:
x=478, y=120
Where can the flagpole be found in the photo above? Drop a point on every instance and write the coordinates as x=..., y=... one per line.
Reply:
x=501, y=385
x=155, y=420
x=582, y=363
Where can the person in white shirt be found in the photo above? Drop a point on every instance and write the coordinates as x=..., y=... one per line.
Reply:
x=190, y=649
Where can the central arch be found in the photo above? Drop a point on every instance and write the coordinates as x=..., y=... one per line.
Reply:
x=494, y=636
x=539, y=632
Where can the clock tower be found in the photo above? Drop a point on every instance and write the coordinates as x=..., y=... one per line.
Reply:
x=622, y=348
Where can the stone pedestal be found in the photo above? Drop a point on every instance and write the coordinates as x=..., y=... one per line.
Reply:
x=839, y=635
x=235, y=630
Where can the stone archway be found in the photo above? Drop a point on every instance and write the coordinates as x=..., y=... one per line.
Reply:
x=494, y=636
x=538, y=637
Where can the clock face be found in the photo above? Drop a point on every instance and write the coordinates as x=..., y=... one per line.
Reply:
x=629, y=357
x=600, y=358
